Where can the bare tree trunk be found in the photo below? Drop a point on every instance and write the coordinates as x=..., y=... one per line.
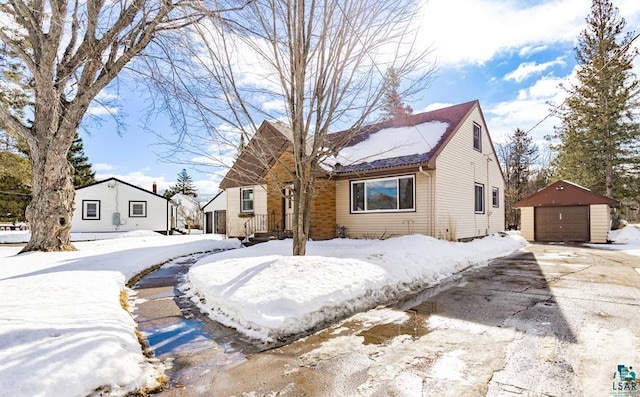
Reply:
x=50, y=211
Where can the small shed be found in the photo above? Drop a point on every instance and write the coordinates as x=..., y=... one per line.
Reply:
x=565, y=211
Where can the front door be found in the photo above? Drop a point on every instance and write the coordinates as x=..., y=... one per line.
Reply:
x=288, y=208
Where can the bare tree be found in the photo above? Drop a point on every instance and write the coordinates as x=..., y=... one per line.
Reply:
x=70, y=51
x=316, y=65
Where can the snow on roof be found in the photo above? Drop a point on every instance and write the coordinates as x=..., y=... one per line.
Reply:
x=394, y=142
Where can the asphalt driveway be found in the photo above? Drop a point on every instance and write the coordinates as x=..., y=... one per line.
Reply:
x=550, y=320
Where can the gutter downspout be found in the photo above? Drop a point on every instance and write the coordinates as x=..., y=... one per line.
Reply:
x=431, y=206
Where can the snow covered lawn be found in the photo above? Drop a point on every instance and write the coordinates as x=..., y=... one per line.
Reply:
x=62, y=329
x=267, y=294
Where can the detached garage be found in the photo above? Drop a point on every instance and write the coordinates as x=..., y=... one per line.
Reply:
x=564, y=211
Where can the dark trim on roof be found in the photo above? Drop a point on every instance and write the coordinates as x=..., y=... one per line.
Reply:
x=454, y=116
x=124, y=183
x=564, y=193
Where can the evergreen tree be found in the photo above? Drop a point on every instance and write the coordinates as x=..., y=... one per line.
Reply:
x=598, y=136
x=82, y=175
x=393, y=105
x=183, y=185
x=15, y=192
x=517, y=156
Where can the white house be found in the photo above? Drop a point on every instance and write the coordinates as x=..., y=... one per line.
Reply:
x=215, y=214
x=114, y=205
x=189, y=214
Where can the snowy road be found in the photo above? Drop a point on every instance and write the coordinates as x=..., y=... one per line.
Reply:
x=549, y=320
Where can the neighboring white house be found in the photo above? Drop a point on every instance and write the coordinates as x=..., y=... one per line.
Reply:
x=215, y=214
x=115, y=205
x=189, y=214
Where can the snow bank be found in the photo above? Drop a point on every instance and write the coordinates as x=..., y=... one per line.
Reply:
x=627, y=235
x=268, y=294
x=63, y=331
x=10, y=236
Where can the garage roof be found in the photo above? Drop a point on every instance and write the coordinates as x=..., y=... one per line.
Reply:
x=563, y=193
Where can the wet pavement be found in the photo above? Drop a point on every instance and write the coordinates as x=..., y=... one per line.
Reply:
x=550, y=320
x=177, y=333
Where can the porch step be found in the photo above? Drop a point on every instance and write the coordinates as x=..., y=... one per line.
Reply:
x=261, y=237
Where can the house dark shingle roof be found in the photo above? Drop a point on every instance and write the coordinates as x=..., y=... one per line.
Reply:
x=452, y=115
x=273, y=138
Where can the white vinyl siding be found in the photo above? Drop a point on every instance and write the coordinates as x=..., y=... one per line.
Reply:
x=377, y=224
x=527, y=229
x=600, y=222
x=235, y=220
x=115, y=197
x=458, y=168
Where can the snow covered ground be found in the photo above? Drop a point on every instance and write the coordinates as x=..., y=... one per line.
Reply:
x=268, y=294
x=626, y=239
x=63, y=332
x=62, y=329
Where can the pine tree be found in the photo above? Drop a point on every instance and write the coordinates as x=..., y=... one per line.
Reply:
x=183, y=185
x=598, y=136
x=393, y=105
x=15, y=192
x=517, y=156
x=82, y=175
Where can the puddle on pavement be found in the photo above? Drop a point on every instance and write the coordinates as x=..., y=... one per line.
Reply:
x=379, y=334
x=177, y=333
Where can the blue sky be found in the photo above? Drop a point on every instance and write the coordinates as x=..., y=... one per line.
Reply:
x=510, y=55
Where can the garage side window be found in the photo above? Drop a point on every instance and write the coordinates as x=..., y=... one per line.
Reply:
x=91, y=210
x=479, y=198
x=137, y=209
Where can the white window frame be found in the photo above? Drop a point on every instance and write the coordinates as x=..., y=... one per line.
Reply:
x=495, y=197
x=365, y=208
x=85, y=210
x=131, y=209
x=477, y=129
x=243, y=200
x=476, y=196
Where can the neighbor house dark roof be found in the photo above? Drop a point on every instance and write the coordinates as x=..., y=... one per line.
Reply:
x=452, y=115
x=564, y=193
x=124, y=183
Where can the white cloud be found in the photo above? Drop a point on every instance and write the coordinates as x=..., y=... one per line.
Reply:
x=531, y=50
x=528, y=69
x=100, y=110
x=436, y=106
x=529, y=111
x=102, y=167
x=140, y=179
x=145, y=180
x=485, y=27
